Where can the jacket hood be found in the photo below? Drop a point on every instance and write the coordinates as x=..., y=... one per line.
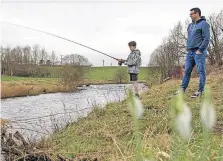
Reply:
x=137, y=51
x=201, y=19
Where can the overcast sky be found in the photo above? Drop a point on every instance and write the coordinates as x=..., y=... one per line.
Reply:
x=107, y=26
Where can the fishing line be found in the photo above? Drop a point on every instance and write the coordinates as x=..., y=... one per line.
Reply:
x=60, y=37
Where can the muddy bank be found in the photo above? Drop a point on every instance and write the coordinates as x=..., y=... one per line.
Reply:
x=14, y=146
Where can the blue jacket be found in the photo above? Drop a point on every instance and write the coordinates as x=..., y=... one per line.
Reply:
x=198, y=35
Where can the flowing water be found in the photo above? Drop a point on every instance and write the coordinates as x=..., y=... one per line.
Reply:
x=41, y=115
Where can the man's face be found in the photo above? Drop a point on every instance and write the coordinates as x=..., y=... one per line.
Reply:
x=194, y=16
x=132, y=48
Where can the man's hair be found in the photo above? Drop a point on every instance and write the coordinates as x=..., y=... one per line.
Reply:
x=196, y=10
x=132, y=43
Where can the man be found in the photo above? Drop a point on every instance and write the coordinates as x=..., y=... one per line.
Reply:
x=197, y=43
x=133, y=62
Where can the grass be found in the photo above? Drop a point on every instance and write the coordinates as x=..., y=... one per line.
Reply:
x=12, y=86
x=108, y=73
x=5, y=78
x=31, y=87
x=107, y=133
x=95, y=73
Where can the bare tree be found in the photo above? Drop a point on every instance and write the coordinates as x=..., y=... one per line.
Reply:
x=76, y=59
x=166, y=57
x=23, y=61
x=48, y=63
x=8, y=63
x=177, y=40
x=3, y=62
x=53, y=58
x=82, y=61
x=27, y=55
x=170, y=54
x=42, y=56
x=36, y=53
x=20, y=54
x=75, y=69
x=215, y=48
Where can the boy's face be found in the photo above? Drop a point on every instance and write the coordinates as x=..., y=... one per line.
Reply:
x=132, y=48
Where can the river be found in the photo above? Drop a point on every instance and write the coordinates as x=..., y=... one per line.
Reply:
x=40, y=115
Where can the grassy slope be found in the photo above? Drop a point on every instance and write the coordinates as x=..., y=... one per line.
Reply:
x=104, y=132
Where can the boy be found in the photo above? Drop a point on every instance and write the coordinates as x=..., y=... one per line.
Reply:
x=133, y=62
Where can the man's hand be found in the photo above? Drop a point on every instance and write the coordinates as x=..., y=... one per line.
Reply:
x=198, y=52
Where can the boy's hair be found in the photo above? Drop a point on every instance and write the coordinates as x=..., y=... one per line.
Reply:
x=132, y=43
x=196, y=10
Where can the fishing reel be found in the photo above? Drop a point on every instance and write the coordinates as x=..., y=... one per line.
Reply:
x=120, y=62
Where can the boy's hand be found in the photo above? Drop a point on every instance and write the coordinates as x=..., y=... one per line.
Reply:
x=120, y=61
x=123, y=61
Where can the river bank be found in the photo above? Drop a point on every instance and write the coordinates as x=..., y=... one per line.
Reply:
x=107, y=134
x=37, y=117
x=10, y=89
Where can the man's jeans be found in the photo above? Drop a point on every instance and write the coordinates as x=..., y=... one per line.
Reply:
x=193, y=59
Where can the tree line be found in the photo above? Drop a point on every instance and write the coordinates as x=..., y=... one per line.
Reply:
x=34, y=60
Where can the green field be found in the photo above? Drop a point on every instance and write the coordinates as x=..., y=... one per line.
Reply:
x=95, y=73
x=108, y=73
x=14, y=78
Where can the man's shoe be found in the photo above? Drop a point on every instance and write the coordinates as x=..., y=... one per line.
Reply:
x=196, y=94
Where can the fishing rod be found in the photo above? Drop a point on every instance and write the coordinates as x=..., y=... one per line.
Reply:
x=119, y=60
